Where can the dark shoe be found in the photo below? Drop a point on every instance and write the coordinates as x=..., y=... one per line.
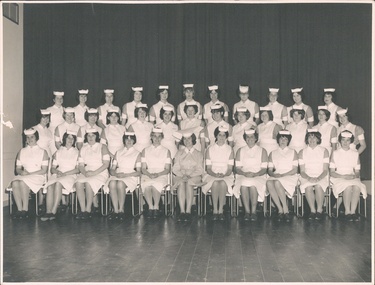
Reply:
x=312, y=216
x=112, y=216
x=349, y=218
x=150, y=214
x=79, y=216
x=121, y=216
x=88, y=215
x=215, y=217
x=254, y=217
x=41, y=210
x=287, y=217
x=156, y=214
x=63, y=208
x=355, y=218
x=221, y=217
x=16, y=215
x=95, y=211
x=280, y=217
x=52, y=217
x=181, y=217
x=319, y=216
x=46, y=217
x=187, y=217
x=246, y=217
x=23, y=215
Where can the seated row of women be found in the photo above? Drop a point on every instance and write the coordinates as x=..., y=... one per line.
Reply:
x=248, y=174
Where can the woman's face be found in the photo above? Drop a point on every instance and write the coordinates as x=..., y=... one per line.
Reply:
x=216, y=116
x=44, y=120
x=312, y=140
x=31, y=140
x=142, y=114
x=137, y=96
x=272, y=97
x=189, y=94
x=156, y=138
x=297, y=98
x=82, y=99
x=343, y=119
x=283, y=142
x=244, y=96
x=109, y=98
x=188, y=142
x=113, y=118
x=221, y=138
x=167, y=116
x=251, y=140
x=214, y=96
x=327, y=98
x=69, y=141
x=91, y=138
x=59, y=100
x=322, y=116
x=264, y=117
x=69, y=117
x=92, y=119
x=129, y=142
x=241, y=117
x=190, y=112
x=345, y=143
x=297, y=117
x=163, y=95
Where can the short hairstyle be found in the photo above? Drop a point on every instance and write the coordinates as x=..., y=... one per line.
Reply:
x=87, y=114
x=301, y=112
x=220, y=110
x=270, y=114
x=152, y=133
x=318, y=135
x=109, y=114
x=133, y=137
x=216, y=132
x=65, y=136
x=97, y=137
x=74, y=114
x=238, y=89
x=256, y=135
x=194, y=106
x=136, y=110
x=78, y=94
x=36, y=135
x=247, y=114
x=39, y=117
x=302, y=93
x=162, y=111
x=216, y=90
x=103, y=98
x=333, y=94
x=347, y=115
x=193, y=139
x=351, y=138
x=160, y=91
x=188, y=89
x=326, y=112
x=279, y=136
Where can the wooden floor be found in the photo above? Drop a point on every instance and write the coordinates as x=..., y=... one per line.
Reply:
x=163, y=250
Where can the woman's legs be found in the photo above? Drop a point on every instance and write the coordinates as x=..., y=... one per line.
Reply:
x=89, y=197
x=310, y=197
x=245, y=196
x=181, y=195
x=121, y=194
x=156, y=197
x=148, y=197
x=282, y=196
x=113, y=193
x=319, y=197
x=189, y=197
x=253, y=199
x=274, y=194
x=80, y=189
x=347, y=198
x=355, y=198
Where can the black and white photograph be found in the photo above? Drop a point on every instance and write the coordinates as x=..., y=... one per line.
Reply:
x=187, y=141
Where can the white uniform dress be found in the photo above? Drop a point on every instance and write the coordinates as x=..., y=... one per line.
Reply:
x=181, y=115
x=84, y=130
x=283, y=161
x=63, y=128
x=188, y=162
x=46, y=140
x=129, y=115
x=79, y=115
x=157, y=107
x=251, y=160
x=219, y=160
x=192, y=126
x=65, y=160
x=209, y=132
x=91, y=156
x=250, y=105
x=155, y=158
x=56, y=117
x=103, y=112
x=277, y=111
x=238, y=131
x=332, y=108
x=325, y=130
x=31, y=159
x=207, y=115
x=169, y=140
x=114, y=134
x=305, y=108
x=126, y=162
x=298, y=132
x=355, y=130
x=345, y=162
x=266, y=139
x=313, y=159
x=142, y=132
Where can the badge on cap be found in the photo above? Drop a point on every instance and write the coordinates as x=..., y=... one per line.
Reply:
x=284, y=132
x=83, y=91
x=29, y=132
x=296, y=90
x=92, y=111
x=73, y=133
x=58, y=93
x=157, y=130
x=329, y=90
x=250, y=132
x=273, y=90
x=139, y=89
x=45, y=112
x=109, y=91
x=168, y=108
x=164, y=87
x=342, y=112
x=213, y=87
x=69, y=110
x=190, y=85
x=243, y=88
x=241, y=109
x=322, y=107
x=346, y=134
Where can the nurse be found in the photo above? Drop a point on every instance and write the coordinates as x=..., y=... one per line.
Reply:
x=188, y=93
x=279, y=112
x=102, y=110
x=81, y=108
x=298, y=94
x=162, y=94
x=213, y=92
x=128, y=115
x=253, y=107
x=329, y=99
x=57, y=110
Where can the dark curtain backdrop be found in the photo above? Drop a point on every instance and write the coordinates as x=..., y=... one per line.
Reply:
x=98, y=46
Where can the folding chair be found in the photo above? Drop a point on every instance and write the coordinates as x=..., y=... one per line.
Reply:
x=364, y=215
x=327, y=201
x=197, y=196
x=233, y=205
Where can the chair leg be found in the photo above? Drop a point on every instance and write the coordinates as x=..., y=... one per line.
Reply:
x=10, y=197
